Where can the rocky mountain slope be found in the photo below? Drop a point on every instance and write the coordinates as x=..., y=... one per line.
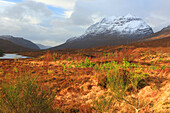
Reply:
x=110, y=31
x=20, y=41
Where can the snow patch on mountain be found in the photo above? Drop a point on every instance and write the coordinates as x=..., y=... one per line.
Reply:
x=128, y=24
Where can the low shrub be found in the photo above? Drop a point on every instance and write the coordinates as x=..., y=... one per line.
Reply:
x=105, y=103
x=26, y=95
x=121, y=79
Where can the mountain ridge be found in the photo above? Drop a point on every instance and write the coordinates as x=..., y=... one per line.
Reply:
x=7, y=46
x=20, y=41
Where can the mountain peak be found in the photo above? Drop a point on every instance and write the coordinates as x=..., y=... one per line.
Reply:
x=128, y=24
x=130, y=16
x=113, y=18
x=108, y=19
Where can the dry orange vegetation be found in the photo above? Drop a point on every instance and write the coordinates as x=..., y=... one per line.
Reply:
x=110, y=79
x=160, y=36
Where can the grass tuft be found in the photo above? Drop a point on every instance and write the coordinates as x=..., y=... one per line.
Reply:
x=24, y=95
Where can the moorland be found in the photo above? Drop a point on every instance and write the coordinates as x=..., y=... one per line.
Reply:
x=127, y=78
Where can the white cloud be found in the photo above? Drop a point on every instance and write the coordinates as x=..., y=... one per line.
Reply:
x=68, y=14
x=28, y=11
x=4, y=4
x=157, y=21
x=66, y=4
x=48, y=43
x=159, y=17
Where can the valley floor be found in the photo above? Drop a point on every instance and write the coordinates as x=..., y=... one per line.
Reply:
x=120, y=79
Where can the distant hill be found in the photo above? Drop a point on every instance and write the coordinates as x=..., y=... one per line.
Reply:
x=20, y=41
x=43, y=46
x=7, y=46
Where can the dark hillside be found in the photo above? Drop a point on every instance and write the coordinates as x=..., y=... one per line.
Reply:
x=7, y=46
x=20, y=41
x=162, y=42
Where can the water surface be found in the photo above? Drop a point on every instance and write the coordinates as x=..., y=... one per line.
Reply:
x=13, y=56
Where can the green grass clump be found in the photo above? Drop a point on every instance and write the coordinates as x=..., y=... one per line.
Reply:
x=104, y=104
x=121, y=78
x=64, y=68
x=86, y=63
x=69, y=59
x=154, y=67
x=25, y=95
x=54, y=59
x=163, y=67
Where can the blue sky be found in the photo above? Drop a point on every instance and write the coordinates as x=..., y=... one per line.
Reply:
x=56, y=10
x=52, y=22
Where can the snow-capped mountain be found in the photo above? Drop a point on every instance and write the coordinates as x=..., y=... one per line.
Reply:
x=124, y=25
x=111, y=31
